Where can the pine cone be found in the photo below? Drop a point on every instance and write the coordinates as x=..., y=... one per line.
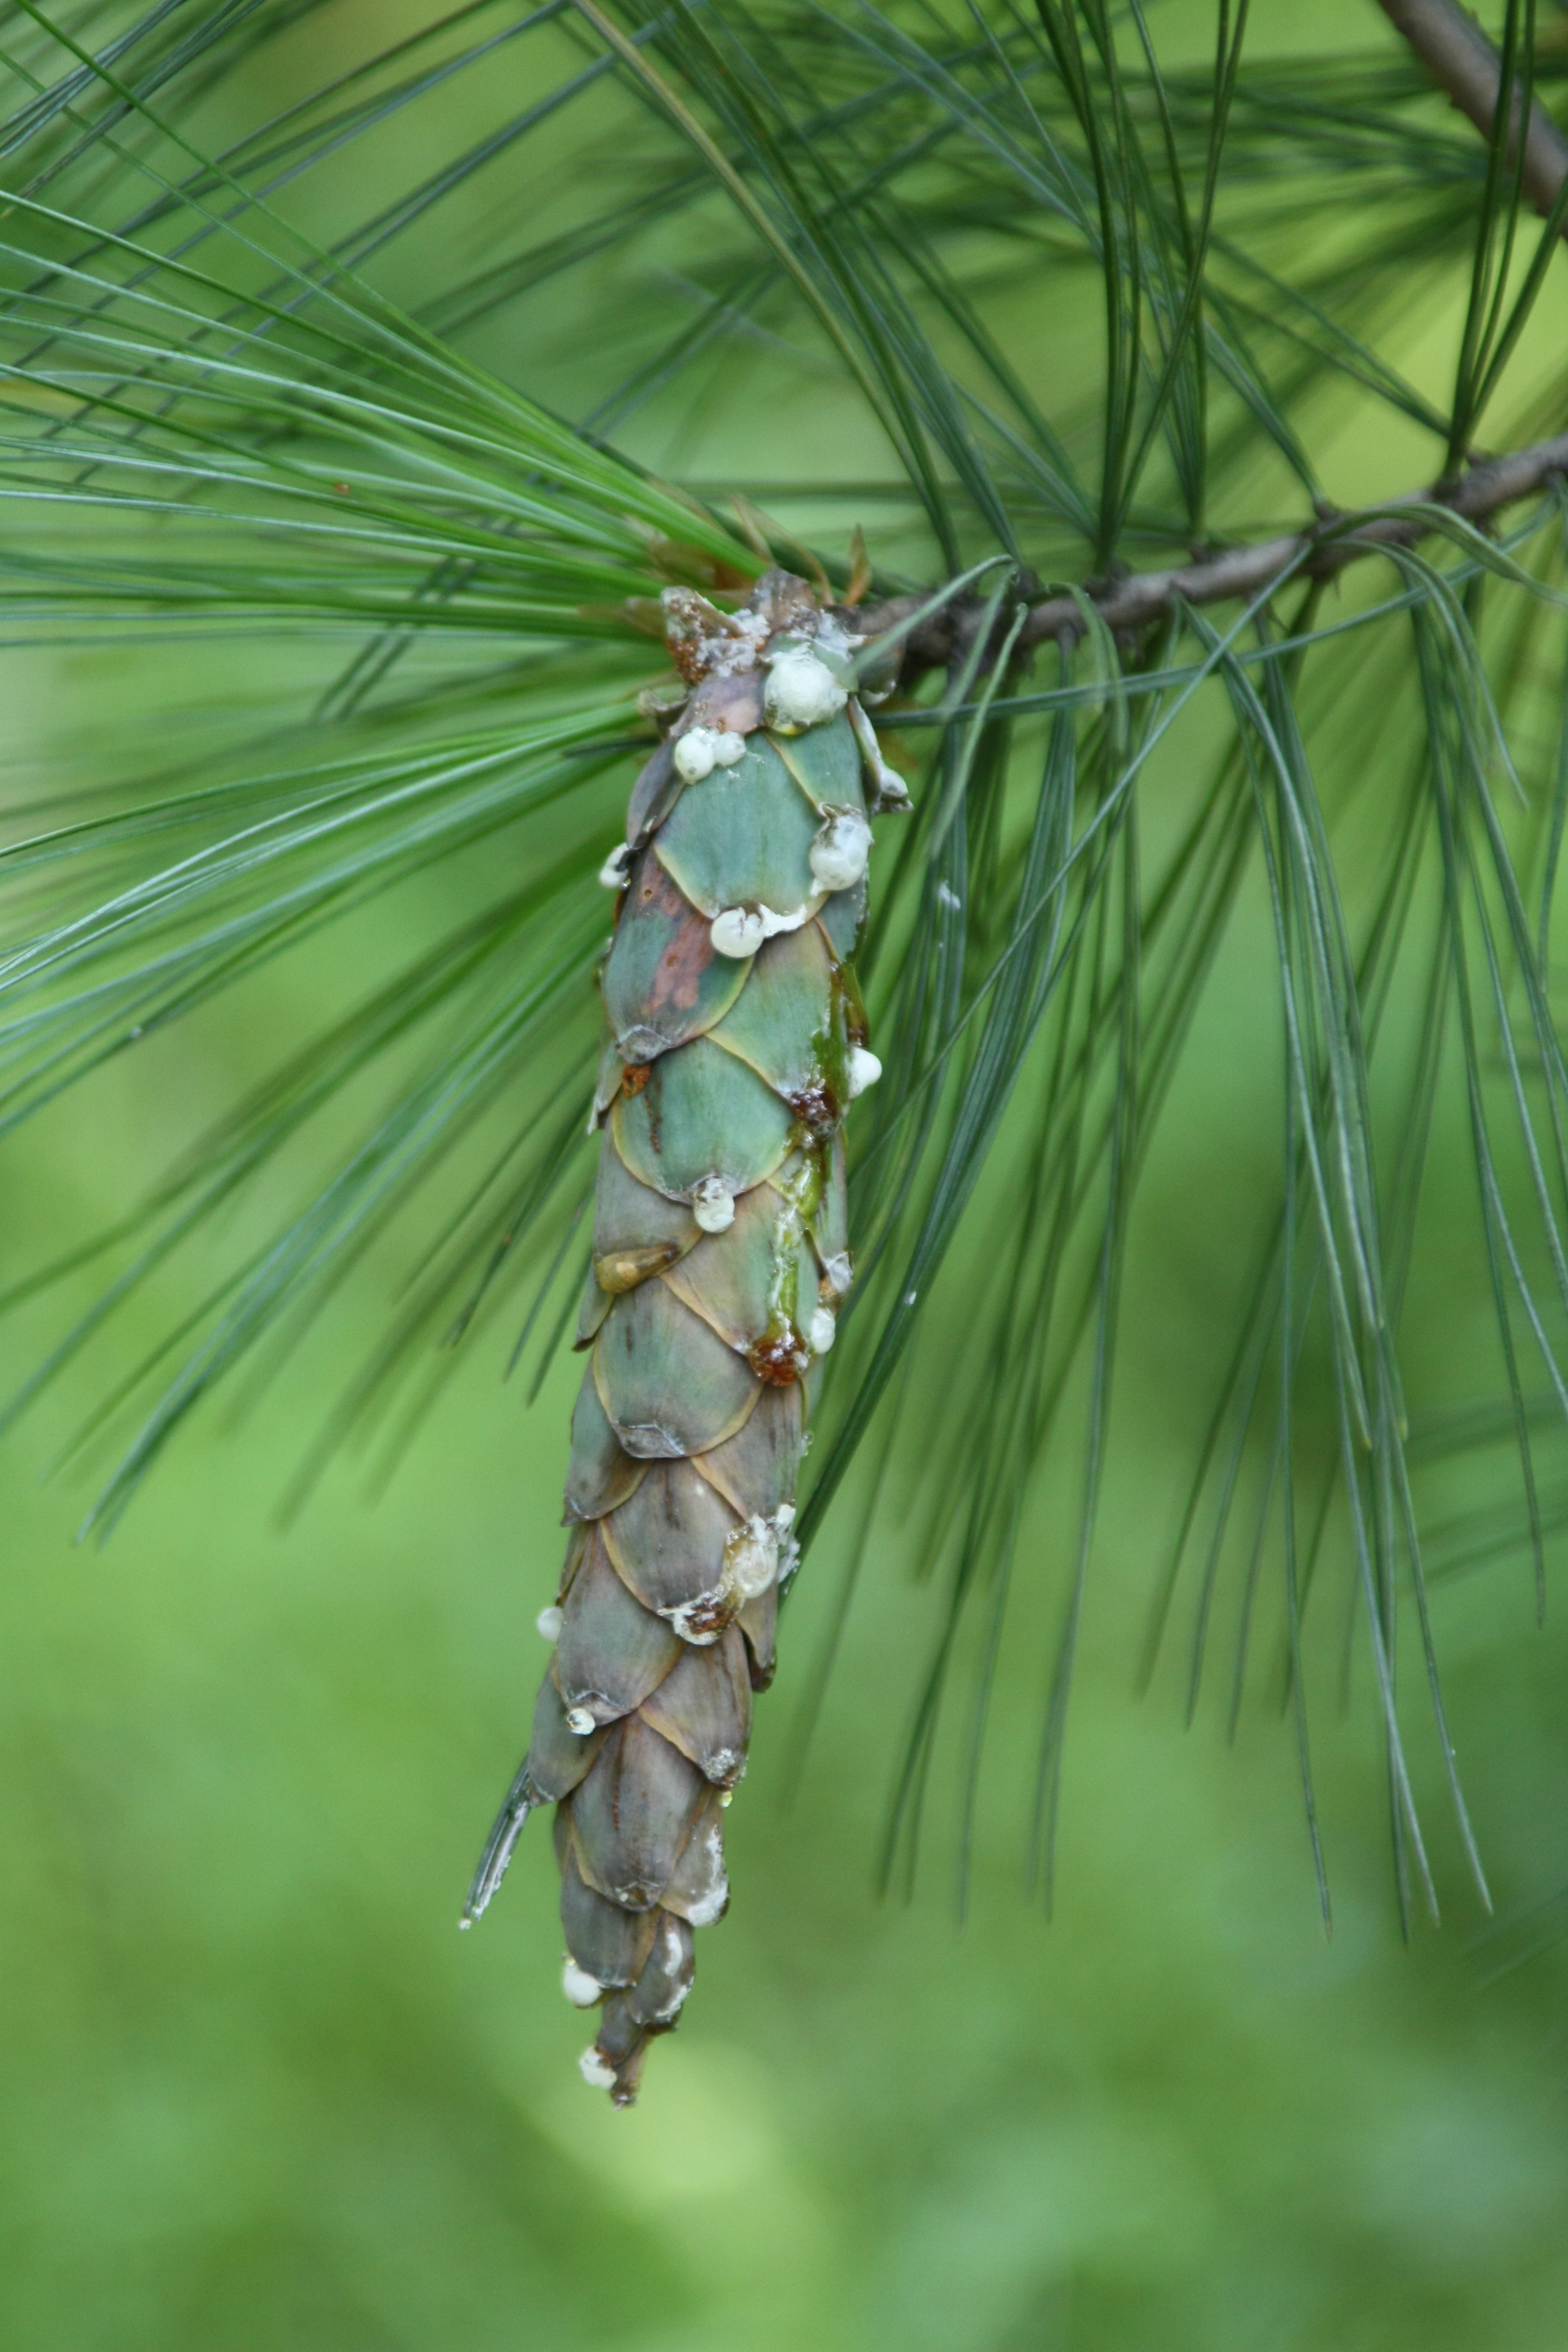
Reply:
x=736, y=1040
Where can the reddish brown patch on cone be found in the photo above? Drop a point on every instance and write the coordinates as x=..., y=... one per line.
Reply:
x=679, y=973
x=709, y=1615
x=779, y=1359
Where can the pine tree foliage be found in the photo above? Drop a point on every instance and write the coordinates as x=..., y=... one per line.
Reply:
x=335, y=343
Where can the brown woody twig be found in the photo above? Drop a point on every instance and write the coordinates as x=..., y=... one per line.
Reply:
x=1327, y=547
x=1463, y=61
x=1241, y=572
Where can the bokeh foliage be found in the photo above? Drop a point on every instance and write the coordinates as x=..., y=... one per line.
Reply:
x=372, y=370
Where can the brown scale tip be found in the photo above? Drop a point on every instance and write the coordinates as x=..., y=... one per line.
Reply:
x=816, y=1107
x=779, y=1357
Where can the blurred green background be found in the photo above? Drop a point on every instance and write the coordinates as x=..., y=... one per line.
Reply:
x=257, y=2094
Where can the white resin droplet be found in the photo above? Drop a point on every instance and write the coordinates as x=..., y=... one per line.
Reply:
x=713, y=1206
x=580, y=1719
x=737, y=932
x=752, y=1557
x=579, y=1989
x=839, y=856
x=694, y=754
x=864, y=1070
x=595, y=2070
x=613, y=872
x=710, y=1906
x=773, y=922
x=822, y=1330
x=801, y=691
x=549, y=1624
x=702, y=749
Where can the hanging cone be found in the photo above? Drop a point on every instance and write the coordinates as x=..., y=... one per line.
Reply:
x=736, y=1041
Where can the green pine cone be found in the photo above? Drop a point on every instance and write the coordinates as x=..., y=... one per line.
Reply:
x=736, y=1041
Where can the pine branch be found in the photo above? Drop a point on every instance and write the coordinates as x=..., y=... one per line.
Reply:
x=1460, y=59
x=1463, y=61
x=1327, y=546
